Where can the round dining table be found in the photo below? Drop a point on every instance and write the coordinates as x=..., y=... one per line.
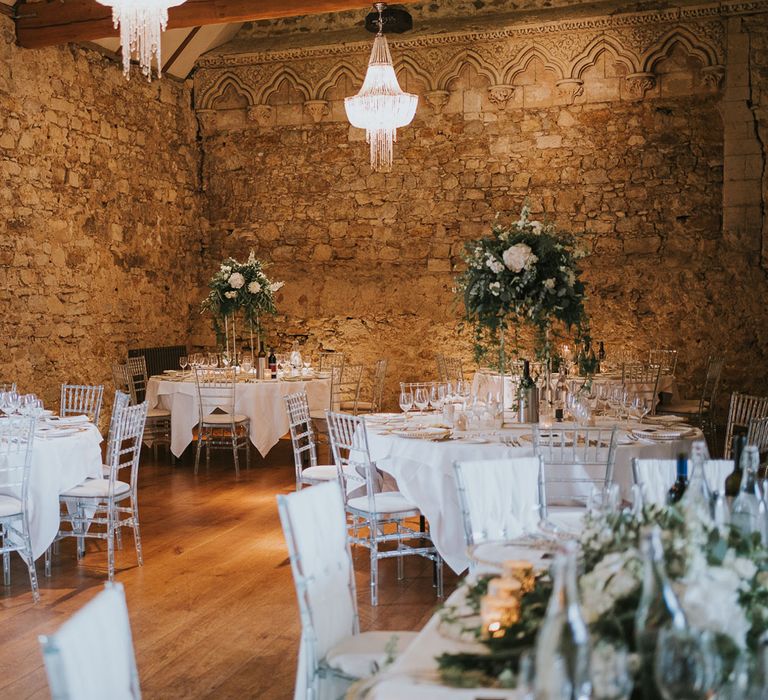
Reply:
x=63, y=455
x=424, y=474
x=259, y=399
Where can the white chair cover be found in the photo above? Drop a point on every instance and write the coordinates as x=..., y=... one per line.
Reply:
x=499, y=497
x=91, y=656
x=315, y=526
x=657, y=475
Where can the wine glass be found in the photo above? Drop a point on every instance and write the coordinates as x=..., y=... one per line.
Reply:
x=183, y=362
x=213, y=360
x=246, y=362
x=406, y=400
x=307, y=365
x=683, y=664
x=421, y=398
x=226, y=359
x=12, y=401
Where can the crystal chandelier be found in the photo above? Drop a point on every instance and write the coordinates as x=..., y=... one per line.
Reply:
x=141, y=23
x=381, y=106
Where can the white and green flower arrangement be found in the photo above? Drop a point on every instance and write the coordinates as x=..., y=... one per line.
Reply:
x=240, y=287
x=523, y=273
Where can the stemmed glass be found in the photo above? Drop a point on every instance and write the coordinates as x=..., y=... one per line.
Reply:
x=246, y=362
x=226, y=359
x=406, y=401
x=12, y=401
x=183, y=362
x=437, y=396
x=421, y=398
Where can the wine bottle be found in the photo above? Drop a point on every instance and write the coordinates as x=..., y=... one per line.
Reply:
x=677, y=489
x=697, y=499
x=261, y=362
x=562, y=659
x=272, y=363
x=733, y=482
x=527, y=381
x=658, y=608
x=601, y=352
x=561, y=396
x=745, y=514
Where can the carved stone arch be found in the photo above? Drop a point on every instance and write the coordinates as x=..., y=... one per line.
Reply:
x=410, y=65
x=457, y=63
x=604, y=44
x=284, y=74
x=520, y=64
x=220, y=86
x=694, y=45
x=330, y=80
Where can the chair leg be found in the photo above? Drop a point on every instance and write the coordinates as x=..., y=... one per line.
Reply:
x=47, y=569
x=80, y=519
x=30, y=561
x=110, y=545
x=439, y=571
x=400, y=559
x=374, y=565
x=199, y=447
x=119, y=538
x=6, y=568
x=248, y=448
x=137, y=534
x=208, y=453
x=234, y=452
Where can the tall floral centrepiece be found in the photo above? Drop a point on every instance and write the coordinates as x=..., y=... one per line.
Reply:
x=525, y=273
x=240, y=288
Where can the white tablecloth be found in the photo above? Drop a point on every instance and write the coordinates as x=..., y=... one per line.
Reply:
x=424, y=474
x=58, y=464
x=261, y=401
x=414, y=673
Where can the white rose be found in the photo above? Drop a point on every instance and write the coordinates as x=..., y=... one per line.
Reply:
x=275, y=286
x=495, y=288
x=518, y=257
x=226, y=269
x=230, y=295
x=537, y=226
x=549, y=283
x=236, y=280
x=254, y=287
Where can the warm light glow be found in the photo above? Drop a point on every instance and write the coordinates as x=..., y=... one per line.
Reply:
x=380, y=107
x=141, y=23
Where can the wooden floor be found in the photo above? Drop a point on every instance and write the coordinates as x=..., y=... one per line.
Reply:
x=213, y=609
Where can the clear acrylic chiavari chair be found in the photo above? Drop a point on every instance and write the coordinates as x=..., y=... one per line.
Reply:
x=376, y=511
x=575, y=460
x=665, y=359
x=454, y=369
x=220, y=427
x=742, y=410
x=308, y=472
x=328, y=360
x=757, y=435
x=442, y=375
x=99, y=508
x=643, y=380
x=334, y=653
x=348, y=389
x=77, y=400
x=133, y=375
x=16, y=445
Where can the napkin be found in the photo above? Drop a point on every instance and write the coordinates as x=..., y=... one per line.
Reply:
x=70, y=420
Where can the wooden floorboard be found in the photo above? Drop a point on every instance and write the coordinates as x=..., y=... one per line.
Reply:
x=213, y=609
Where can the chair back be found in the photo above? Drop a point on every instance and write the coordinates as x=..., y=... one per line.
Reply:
x=757, y=434
x=81, y=400
x=302, y=433
x=91, y=655
x=349, y=444
x=642, y=379
x=121, y=401
x=16, y=443
x=7, y=386
x=711, y=384
x=120, y=377
x=454, y=369
x=442, y=375
x=379, y=377
x=663, y=358
x=574, y=460
x=136, y=368
x=315, y=528
x=499, y=498
x=347, y=389
x=743, y=409
x=656, y=476
x=329, y=360
x=215, y=390
x=125, y=437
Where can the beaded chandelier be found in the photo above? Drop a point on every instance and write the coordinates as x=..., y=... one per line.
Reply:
x=381, y=106
x=141, y=23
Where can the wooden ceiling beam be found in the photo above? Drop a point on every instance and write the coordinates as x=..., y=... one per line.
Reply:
x=54, y=22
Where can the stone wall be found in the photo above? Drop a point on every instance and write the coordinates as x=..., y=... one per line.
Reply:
x=100, y=222
x=613, y=127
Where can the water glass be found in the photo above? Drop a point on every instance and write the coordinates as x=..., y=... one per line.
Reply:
x=406, y=401
x=421, y=398
x=684, y=666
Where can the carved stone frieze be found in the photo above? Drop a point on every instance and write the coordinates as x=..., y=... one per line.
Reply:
x=639, y=83
x=317, y=109
x=437, y=99
x=712, y=76
x=570, y=89
x=499, y=95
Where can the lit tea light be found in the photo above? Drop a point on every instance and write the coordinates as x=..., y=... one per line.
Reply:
x=522, y=571
x=505, y=588
x=498, y=613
